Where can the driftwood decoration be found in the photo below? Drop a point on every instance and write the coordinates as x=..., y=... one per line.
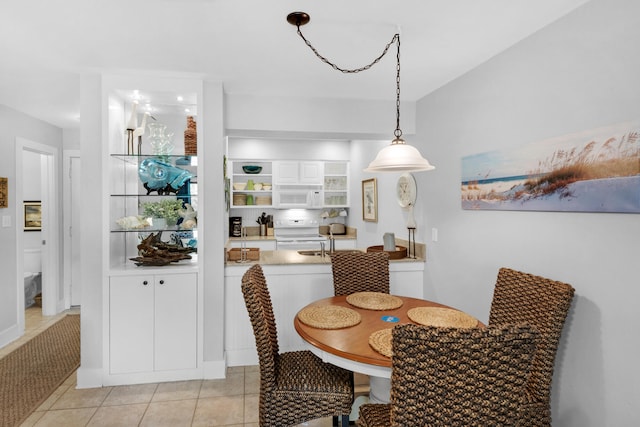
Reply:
x=152, y=251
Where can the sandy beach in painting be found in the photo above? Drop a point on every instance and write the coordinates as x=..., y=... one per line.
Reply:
x=596, y=195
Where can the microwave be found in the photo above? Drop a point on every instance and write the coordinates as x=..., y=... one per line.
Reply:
x=292, y=198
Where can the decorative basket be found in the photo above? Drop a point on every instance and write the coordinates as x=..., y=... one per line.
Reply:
x=235, y=254
x=399, y=253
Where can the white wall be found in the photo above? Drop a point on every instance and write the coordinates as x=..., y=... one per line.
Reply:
x=577, y=74
x=14, y=124
x=31, y=190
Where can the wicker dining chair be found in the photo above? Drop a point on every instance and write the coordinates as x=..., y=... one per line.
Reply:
x=542, y=303
x=454, y=377
x=295, y=386
x=360, y=272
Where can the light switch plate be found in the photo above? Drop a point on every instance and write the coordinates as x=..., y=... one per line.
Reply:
x=6, y=220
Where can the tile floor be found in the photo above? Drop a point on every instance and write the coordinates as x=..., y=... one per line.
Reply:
x=232, y=401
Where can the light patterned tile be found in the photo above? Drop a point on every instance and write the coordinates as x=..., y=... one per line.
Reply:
x=219, y=411
x=130, y=394
x=178, y=390
x=81, y=398
x=57, y=393
x=232, y=385
x=118, y=416
x=251, y=408
x=78, y=417
x=252, y=383
x=176, y=413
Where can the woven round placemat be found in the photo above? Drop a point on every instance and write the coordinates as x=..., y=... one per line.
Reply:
x=380, y=341
x=329, y=317
x=374, y=301
x=442, y=317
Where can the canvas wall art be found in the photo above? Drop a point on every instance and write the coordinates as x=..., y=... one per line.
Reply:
x=596, y=170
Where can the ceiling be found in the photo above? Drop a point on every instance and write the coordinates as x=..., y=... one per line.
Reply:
x=250, y=47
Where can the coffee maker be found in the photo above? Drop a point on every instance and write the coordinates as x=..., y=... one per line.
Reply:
x=235, y=226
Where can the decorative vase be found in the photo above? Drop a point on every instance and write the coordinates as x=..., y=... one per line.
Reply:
x=159, y=223
x=190, y=138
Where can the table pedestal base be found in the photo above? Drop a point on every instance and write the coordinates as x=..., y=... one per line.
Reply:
x=379, y=390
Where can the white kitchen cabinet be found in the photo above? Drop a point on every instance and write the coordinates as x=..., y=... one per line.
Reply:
x=152, y=323
x=336, y=184
x=303, y=172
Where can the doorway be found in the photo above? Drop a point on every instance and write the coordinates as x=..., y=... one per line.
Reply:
x=48, y=239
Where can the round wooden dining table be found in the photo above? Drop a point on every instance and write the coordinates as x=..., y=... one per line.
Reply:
x=349, y=347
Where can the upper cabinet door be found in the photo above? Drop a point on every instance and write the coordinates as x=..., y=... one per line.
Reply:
x=285, y=172
x=298, y=172
x=311, y=172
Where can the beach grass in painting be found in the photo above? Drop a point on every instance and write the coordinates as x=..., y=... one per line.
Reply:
x=592, y=171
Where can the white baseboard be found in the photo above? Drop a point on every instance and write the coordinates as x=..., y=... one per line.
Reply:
x=9, y=335
x=214, y=369
x=89, y=378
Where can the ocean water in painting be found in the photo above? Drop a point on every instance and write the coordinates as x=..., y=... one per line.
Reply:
x=592, y=171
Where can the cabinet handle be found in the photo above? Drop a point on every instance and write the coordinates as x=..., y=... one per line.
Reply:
x=162, y=282
x=145, y=283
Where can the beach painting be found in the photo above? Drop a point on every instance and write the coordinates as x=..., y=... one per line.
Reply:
x=596, y=170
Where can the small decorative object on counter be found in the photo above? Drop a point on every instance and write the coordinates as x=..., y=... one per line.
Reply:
x=389, y=240
x=263, y=220
x=190, y=138
x=162, y=177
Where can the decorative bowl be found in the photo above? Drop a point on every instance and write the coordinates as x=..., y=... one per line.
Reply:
x=266, y=186
x=239, y=185
x=251, y=169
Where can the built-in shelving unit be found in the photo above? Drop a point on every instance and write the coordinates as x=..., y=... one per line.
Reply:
x=241, y=196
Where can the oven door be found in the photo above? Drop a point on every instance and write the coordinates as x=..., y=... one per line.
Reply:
x=298, y=245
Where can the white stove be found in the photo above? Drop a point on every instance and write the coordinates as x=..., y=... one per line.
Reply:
x=298, y=233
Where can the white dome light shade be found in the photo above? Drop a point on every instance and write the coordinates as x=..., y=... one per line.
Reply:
x=399, y=157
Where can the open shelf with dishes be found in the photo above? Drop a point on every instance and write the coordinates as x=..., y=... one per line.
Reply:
x=251, y=184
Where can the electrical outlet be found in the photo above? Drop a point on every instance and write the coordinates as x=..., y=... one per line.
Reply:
x=434, y=234
x=6, y=221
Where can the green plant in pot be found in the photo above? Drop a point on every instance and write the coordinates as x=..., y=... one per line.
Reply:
x=166, y=209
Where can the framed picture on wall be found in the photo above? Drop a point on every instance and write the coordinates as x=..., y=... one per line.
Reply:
x=369, y=200
x=4, y=193
x=32, y=216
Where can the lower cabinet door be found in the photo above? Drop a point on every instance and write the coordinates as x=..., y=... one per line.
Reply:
x=175, y=322
x=131, y=324
x=152, y=323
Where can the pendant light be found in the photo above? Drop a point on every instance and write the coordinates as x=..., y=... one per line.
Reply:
x=398, y=156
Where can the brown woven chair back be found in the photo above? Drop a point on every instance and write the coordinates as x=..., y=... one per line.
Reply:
x=542, y=303
x=455, y=377
x=295, y=386
x=258, y=302
x=360, y=272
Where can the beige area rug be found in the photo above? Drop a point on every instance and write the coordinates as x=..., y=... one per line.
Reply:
x=32, y=372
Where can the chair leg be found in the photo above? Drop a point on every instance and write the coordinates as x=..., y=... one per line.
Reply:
x=344, y=423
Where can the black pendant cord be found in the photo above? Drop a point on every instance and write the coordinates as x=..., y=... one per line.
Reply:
x=396, y=39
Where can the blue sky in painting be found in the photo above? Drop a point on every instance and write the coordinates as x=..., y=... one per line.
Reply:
x=525, y=159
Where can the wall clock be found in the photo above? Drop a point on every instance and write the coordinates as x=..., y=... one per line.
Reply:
x=406, y=190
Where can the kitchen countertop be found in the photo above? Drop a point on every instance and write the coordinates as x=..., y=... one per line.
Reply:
x=284, y=257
